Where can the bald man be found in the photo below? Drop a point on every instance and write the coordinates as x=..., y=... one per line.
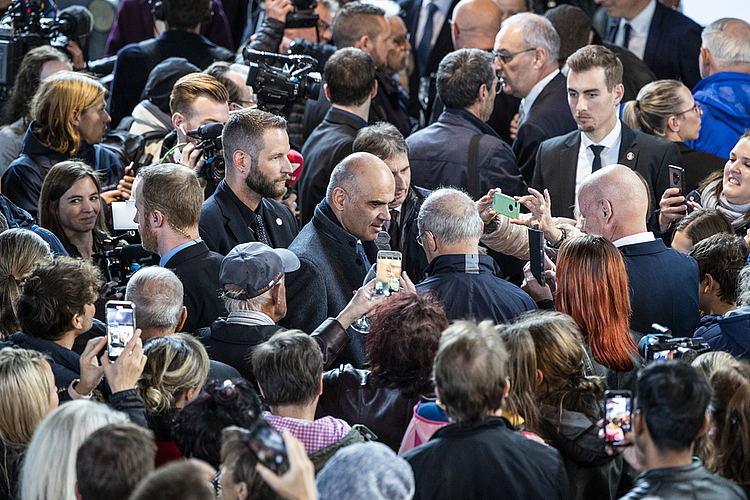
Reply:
x=613, y=203
x=336, y=248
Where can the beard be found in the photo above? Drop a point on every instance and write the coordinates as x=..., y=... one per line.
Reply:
x=148, y=239
x=267, y=188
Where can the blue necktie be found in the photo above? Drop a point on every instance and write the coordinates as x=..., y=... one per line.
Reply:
x=425, y=44
x=626, y=38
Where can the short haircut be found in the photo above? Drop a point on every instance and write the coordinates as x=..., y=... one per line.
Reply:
x=192, y=86
x=220, y=68
x=381, y=139
x=185, y=15
x=596, y=56
x=245, y=131
x=451, y=216
x=56, y=183
x=349, y=74
x=703, y=223
x=157, y=293
x=355, y=20
x=26, y=395
x=728, y=40
x=61, y=95
x=180, y=480
x=470, y=370
x=55, y=293
x=656, y=103
x=173, y=190
x=113, y=460
x=537, y=32
x=461, y=74
x=288, y=368
x=672, y=396
x=722, y=256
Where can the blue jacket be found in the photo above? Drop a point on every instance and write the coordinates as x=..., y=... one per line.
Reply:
x=479, y=295
x=729, y=333
x=22, y=182
x=18, y=217
x=725, y=101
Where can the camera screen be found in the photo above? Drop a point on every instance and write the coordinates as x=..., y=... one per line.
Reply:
x=119, y=327
x=618, y=418
x=666, y=354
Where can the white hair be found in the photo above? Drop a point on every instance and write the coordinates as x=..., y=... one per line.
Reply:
x=537, y=32
x=233, y=304
x=158, y=297
x=451, y=216
x=49, y=465
x=728, y=40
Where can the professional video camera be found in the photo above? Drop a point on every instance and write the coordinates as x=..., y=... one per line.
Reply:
x=303, y=16
x=210, y=137
x=278, y=80
x=25, y=27
x=653, y=347
x=119, y=263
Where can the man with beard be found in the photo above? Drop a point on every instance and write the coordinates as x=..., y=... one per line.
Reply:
x=243, y=208
x=168, y=201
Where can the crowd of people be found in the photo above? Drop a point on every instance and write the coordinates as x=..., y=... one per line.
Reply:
x=566, y=193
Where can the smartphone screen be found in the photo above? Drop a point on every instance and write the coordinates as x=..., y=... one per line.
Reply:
x=120, y=326
x=389, y=271
x=617, y=417
x=269, y=447
x=506, y=205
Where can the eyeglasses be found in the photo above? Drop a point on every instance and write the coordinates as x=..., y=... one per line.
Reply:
x=419, y=238
x=323, y=26
x=696, y=107
x=401, y=40
x=506, y=57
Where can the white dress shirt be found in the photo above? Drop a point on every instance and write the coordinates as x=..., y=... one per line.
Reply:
x=640, y=25
x=444, y=7
x=528, y=101
x=634, y=238
x=609, y=155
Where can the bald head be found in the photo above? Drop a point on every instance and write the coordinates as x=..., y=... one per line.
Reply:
x=614, y=203
x=360, y=189
x=475, y=24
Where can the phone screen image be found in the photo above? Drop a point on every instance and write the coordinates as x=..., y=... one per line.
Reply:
x=269, y=447
x=666, y=354
x=120, y=327
x=389, y=271
x=617, y=419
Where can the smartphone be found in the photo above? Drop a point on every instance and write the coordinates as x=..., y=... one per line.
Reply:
x=389, y=271
x=506, y=205
x=268, y=446
x=536, y=253
x=677, y=179
x=617, y=416
x=120, y=326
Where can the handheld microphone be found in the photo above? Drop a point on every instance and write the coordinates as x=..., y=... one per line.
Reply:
x=298, y=163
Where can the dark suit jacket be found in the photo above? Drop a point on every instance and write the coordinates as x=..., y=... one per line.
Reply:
x=330, y=270
x=330, y=142
x=198, y=269
x=663, y=288
x=672, y=47
x=550, y=116
x=557, y=162
x=223, y=228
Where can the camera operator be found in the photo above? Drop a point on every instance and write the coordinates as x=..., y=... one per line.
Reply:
x=273, y=36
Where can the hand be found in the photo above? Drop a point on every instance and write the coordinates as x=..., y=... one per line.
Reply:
x=514, y=127
x=627, y=449
x=125, y=187
x=298, y=483
x=539, y=205
x=363, y=302
x=673, y=207
x=484, y=206
x=76, y=54
x=290, y=201
x=531, y=286
x=284, y=45
x=126, y=370
x=110, y=196
x=91, y=371
x=106, y=294
x=278, y=9
x=192, y=158
x=405, y=283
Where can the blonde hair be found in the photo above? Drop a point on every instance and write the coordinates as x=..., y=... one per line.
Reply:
x=176, y=363
x=656, y=102
x=61, y=95
x=21, y=252
x=25, y=393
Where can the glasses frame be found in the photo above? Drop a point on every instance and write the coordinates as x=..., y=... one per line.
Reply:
x=506, y=58
x=696, y=108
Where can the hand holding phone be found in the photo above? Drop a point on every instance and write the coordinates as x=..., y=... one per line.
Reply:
x=506, y=205
x=120, y=326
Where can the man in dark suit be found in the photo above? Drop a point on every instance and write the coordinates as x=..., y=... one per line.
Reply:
x=526, y=53
x=168, y=205
x=663, y=282
x=667, y=41
x=594, y=91
x=336, y=248
x=244, y=208
x=351, y=76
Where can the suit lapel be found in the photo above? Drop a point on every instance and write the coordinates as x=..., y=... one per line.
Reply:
x=628, y=152
x=229, y=210
x=653, y=42
x=567, y=175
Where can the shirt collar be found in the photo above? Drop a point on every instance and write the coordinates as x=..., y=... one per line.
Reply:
x=250, y=318
x=444, y=6
x=642, y=21
x=163, y=261
x=634, y=238
x=528, y=101
x=610, y=141
x=246, y=212
x=351, y=115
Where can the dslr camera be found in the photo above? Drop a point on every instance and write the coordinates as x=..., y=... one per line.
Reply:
x=214, y=167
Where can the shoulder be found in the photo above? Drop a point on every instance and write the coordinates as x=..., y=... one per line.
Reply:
x=676, y=21
x=559, y=142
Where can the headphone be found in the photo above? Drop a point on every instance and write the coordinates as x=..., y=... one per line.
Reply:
x=159, y=11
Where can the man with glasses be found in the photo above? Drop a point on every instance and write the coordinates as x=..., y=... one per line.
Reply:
x=526, y=54
x=460, y=149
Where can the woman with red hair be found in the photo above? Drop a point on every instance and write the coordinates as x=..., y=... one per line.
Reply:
x=592, y=287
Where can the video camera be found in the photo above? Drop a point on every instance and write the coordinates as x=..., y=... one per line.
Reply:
x=120, y=263
x=658, y=346
x=278, y=80
x=214, y=167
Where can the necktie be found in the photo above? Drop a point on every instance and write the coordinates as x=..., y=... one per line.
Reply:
x=393, y=230
x=259, y=228
x=425, y=44
x=628, y=32
x=597, y=157
x=363, y=254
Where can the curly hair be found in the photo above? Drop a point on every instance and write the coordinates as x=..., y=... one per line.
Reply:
x=403, y=339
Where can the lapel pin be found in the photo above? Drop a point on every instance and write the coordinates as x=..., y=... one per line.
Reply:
x=630, y=156
x=278, y=221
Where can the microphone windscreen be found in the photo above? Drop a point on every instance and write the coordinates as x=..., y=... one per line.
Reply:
x=298, y=163
x=383, y=241
x=82, y=21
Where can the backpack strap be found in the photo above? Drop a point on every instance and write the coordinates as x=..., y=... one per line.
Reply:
x=472, y=174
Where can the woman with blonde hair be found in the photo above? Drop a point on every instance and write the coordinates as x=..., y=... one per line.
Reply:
x=21, y=252
x=174, y=374
x=69, y=121
x=28, y=393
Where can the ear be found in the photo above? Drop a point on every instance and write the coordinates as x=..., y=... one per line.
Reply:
x=539, y=378
x=242, y=491
x=374, y=90
x=183, y=319
x=260, y=389
x=320, y=385
x=482, y=93
x=191, y=394
x=673, y=123
x=177, y=120
x=540, y=58
x=364, y=43
x=78, y=493
x=706, y=58
x=619, y=93
x=640, y=424
x=339, y=196
x=276, y=293
x=157, y=219
x=241, y=161
x=607, y=211
x=75, y=118
x=507, y=387
x=704, y=427
x=327, y=92
x=233, y=106
x=76, y=322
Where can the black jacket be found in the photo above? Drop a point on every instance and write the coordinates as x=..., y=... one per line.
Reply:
x=476, y=295
x=486, y=460
x=687, y=482
x=222, y=226
x=198, y=269
x=414, y=259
